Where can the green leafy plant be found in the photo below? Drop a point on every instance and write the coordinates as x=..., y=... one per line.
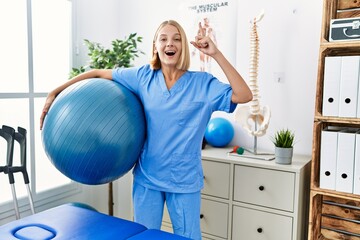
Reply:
x=284, y=138
x=120, y=55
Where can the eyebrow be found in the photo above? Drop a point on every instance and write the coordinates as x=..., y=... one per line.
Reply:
x=164, y=35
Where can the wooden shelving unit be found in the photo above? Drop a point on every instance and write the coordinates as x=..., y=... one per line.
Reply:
x=333, y=214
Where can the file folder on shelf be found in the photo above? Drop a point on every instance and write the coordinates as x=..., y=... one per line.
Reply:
x=345, y=160
x=328, y=156
x=332, y=74
x=356, y=188
x=349, y=86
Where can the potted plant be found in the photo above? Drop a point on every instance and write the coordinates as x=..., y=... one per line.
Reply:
x=120, y=55
x=284, y=142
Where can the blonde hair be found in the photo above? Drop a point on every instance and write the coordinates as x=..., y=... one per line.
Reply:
x=184, y=60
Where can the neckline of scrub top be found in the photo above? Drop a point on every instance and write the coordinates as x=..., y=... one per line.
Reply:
x=177, y=85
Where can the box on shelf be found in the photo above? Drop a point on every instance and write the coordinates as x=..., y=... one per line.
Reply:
x=344, y=29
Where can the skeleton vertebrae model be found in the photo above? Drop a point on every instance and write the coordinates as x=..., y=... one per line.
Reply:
x=253, y=117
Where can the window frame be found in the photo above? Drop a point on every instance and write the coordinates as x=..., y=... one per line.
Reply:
x=60, y=192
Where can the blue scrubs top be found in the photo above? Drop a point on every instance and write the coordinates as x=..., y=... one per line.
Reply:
x=176, y=121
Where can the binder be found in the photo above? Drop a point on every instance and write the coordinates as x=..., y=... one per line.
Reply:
x=349, y=86
x=331, y=92
x=356, y=188
x=345, y=160
x=328, y=156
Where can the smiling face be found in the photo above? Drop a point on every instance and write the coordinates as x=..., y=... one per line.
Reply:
x=168, y=45
x=172, y=34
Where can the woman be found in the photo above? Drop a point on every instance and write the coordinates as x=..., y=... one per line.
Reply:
x=178, y=105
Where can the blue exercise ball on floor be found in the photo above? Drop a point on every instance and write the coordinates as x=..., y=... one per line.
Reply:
x=219, y=132
x=94, y=131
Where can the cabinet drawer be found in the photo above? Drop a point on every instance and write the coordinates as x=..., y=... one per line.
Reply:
x=214, y=218
x=216, y=179
x=252, y=224
x=264, y=187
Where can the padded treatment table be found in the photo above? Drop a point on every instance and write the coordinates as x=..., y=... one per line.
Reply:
x=73, y=222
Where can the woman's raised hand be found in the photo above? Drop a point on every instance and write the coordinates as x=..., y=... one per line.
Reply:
x=204, y=43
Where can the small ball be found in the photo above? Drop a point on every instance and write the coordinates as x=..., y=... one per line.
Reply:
x=219, y=132
x=235, y=148
x=240, y=151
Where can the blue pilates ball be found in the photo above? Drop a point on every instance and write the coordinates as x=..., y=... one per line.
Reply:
x=219, y=132
x=94, y=131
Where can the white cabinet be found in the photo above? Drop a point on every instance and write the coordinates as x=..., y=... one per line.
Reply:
x=248, y=199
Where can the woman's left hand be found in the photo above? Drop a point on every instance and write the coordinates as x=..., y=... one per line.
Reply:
x=204, y=43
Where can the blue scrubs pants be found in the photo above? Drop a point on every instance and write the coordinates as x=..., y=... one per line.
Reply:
x=184, y=210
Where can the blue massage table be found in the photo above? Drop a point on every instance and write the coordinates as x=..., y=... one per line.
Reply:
x=70, y=221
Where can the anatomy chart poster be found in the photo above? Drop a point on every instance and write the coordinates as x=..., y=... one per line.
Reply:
x=218, y=18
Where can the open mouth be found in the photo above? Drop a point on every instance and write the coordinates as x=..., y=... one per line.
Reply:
x=170, y=53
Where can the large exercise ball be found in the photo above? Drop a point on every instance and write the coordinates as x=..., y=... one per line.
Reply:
x=94, y=131
x=219, y=132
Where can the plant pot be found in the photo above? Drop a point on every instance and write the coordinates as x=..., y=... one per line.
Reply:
x=283, y=155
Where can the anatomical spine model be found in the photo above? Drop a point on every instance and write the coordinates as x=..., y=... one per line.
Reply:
x=253, y=117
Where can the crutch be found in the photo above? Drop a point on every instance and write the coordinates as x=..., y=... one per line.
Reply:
x=9, y=134
x=20, y=137
x=9, y=141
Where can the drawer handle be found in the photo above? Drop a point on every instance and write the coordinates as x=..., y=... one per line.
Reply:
x=259, y=230
x=344, y=175
x=261, y=188
x=201, y=216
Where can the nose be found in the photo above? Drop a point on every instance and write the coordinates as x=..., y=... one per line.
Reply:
x=169, y=43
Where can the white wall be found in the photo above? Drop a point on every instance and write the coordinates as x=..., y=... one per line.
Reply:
x=289, y=43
